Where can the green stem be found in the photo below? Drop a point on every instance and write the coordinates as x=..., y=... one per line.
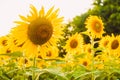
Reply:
x=93, y=52
x=34, y=65
x=108, y=66
x=109, y=77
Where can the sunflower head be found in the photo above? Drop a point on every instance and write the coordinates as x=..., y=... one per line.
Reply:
x=38, y=31
x=85, y=62
x=24, y=61
x=87, y=48
x=3, y=41
x=4, y=44
x=95, y=26
x=51, y=53
x=104, y=41
x=74, y=44
x=114, y=45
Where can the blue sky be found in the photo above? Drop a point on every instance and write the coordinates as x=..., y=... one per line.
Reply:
x=10, y=9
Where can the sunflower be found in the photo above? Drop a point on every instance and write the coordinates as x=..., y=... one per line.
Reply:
x=114, y=45
x=43, y=64
x=85, y=62
x=23, y=62
x=100, y=60
x=8, y=44
x=104, y=41
x=69, y=60
x=74, y=44
x=99, y=66
x=51, y=53
x=87, y=48
x=4, y=49
x=38, y=30
x=94, y=26
x=3, y=44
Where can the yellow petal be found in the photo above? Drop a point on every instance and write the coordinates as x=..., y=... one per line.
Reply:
x=54, y=14
x=41, y=13
x=23, y=18
x=50, y=11
x=33, y=10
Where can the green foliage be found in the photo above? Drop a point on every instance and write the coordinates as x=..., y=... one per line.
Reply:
x=11, y=71
x=14, y=54
x=108, y=10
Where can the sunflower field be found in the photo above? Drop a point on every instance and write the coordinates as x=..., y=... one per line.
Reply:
x=42, y=47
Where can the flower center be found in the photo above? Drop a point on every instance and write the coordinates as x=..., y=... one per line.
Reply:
x=89, y=50
x=8, y=51
x=4, y=42
x=49, y=54
x=105, y=43
x=115, y=44
x=97, y=27
x=25, y=61
x=85, y=63
x=40, y=32
x=73, y=43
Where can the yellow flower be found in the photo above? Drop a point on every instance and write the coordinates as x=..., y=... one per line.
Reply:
x=99, y=66
x=51, y=53
x=69, y=60
x=8, y=44
x=3, y=44
x=38, y=31
x=87, y=48
x=4, y=49
x=74, y=44
x=85, y=62
x=94, y=26
x=102, y=58
x=104, y=41
x=43, y=64
x=114, y=45
x=24, y=62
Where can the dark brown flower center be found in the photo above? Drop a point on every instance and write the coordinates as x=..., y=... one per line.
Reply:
x=97, y=27
x=89, y=50
x=85, y=63
x=4, y=42
x=105, y=43
x=73, y=43
x=25, y=61
x=49, y=54
x=115, y=44
x=38, y=32
x=39, y=56
x=8, y=51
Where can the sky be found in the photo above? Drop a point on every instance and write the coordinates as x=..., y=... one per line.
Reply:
x=11, y=9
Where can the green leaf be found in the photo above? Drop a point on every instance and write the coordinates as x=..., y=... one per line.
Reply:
x=57, y=72
x=14, y=54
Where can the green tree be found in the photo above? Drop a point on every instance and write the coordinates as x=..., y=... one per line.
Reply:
x=108, y=10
